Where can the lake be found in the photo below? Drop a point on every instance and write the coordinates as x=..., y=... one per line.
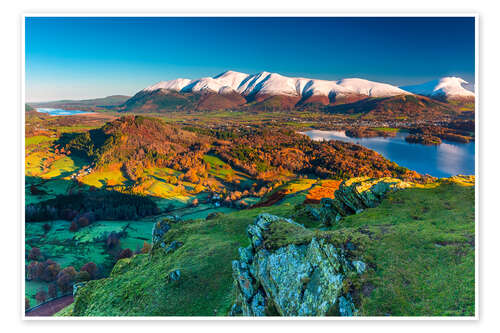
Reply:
x=61, y=112
x=444, y=160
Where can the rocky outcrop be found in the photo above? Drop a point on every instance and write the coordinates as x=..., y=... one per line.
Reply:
x=357, y=194
x=159, y=231
x=174, y=275
x=78, y=286
x=300, y=279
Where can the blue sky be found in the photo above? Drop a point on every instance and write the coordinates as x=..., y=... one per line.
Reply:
x=79, y=57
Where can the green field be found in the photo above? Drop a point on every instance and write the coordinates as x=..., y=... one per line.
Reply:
x=103, y=178
x=386, y=129
x=36, y=140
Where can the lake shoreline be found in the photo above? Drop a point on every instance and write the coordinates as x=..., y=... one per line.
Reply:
x=444, y=160
x=62, y=112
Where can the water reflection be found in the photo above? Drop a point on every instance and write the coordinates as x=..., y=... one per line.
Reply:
x=60, y=112
x=447, y=159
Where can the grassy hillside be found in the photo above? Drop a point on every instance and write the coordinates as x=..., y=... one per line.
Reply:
x=418, y=245
x=162, y=101
x=413, y=107
x=422, y=253
x=140, y=284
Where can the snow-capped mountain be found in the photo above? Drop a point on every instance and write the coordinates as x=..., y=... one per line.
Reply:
x=252, y=86
x=447, y=88
x=272, y=91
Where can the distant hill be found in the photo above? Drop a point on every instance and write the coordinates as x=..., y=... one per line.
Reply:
x=136, y=142
x=85, y=105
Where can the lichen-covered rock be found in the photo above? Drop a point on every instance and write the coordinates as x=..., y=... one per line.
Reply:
x=293, y=280
x=78, y=286
x=162, y=227
x=346, y=307
x=235, y=310
x=159, y=230
x=360, y=266
x=357, y=194
x=174, y=275
x=174, y=245
x=255, y=231
x=242, y=279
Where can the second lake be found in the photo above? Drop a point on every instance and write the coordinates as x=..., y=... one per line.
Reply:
x=61, y=112
x=444, y=160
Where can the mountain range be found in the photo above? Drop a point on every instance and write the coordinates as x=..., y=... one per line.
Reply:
x=272, y=91
x=266, y=90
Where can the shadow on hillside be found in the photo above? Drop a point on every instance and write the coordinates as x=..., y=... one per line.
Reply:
x=362, y=106
x=63, y=198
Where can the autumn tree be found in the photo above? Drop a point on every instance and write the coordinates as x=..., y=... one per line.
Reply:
x=113, y=240
x=41, y=296
x=66, y=278
x=35, y=254
x=126, y=253
x=82, y=276
x=146, y=248
x=52, y=290
x=50, y=271
x=46, y=227
x=42, y=271
x=82, y=222
x=73, y=227
x=90, y=268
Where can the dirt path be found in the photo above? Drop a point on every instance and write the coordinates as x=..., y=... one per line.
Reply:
x=52, y=307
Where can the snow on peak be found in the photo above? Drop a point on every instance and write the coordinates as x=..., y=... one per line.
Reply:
x=266, y=83
x=371, y=88
x=447, y=86
x=226, y=90
x=203, y=84
x=175, y=85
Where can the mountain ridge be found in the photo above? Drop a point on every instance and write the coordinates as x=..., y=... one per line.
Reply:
x=266, y=83
x=266, y=90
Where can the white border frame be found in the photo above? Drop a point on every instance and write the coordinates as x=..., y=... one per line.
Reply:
x=229, y=13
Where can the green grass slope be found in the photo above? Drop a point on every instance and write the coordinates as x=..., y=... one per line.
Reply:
x=418, y=244
x=421, y=251
x=139, y=287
